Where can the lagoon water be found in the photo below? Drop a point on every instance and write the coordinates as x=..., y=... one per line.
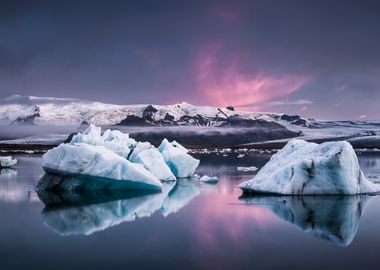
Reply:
x=192, y=226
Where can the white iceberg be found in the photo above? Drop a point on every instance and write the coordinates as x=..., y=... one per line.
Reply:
x=247, y=169
x=153, y=161
x=179, y=161
x=208, y=179
x=303, y=168
x=114, y=140
x=90, y=160
x=8, y=161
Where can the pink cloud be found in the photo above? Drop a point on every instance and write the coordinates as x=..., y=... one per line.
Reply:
x=224, y=84
x=362, y=116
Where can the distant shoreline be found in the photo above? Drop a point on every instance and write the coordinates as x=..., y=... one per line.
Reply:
x=267, y=147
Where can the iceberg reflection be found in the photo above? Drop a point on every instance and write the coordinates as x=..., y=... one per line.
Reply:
x=8, y=172
x=86, y=212
x=331, y=218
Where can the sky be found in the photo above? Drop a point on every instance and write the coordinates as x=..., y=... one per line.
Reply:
x=320, y=59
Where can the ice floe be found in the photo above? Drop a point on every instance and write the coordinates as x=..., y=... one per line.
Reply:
x=303, y=168
x=247, y=169
x=7, y=161
x=208, y=179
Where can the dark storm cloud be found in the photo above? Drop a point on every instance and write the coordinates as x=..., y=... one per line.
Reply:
x=242, y=52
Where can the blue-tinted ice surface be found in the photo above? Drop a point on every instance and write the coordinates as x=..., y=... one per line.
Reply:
x=114, y=156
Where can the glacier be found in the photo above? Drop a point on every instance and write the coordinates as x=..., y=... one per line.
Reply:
x=179, y=161
x=7, y=161
x=304, y=168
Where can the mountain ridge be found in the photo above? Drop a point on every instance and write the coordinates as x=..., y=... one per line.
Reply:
x=18, y=109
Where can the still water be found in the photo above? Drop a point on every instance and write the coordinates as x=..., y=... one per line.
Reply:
x=188, y=226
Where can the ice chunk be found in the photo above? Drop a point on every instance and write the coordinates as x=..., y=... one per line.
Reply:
x=114, y=140
x=153, y=161
x=92, y=136
x=7, y=161
x=247, y=169
x=332, y=218
x=176, y=144
x=179, y=161
x=98, y=161
x=118, y=142
x=303, y=168
x=208, y=179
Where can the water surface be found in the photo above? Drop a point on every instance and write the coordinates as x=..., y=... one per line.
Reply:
x=188, y=226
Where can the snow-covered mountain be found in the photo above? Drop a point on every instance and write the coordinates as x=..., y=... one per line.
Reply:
x=148, y=122
x=66, y=111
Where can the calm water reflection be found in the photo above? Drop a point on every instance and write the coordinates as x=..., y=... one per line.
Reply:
x=188, y=226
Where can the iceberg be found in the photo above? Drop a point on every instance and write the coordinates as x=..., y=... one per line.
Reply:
x=177, y=158
x=8, y=161
x=334, y=219
x=303, y=168
x=153, y=161
x=208, y=179
x=95, y=161
x=115, y=161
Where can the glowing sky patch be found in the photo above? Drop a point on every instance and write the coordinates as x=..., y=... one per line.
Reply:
x=225, y=85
